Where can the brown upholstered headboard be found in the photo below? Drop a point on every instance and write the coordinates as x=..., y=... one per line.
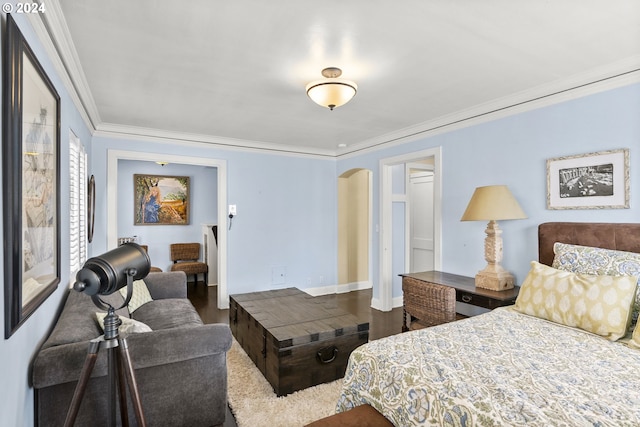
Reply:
x=621, y=237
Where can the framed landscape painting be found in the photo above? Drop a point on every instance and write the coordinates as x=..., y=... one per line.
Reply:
x=589, y=181
x=31, y=181
x=161, y=200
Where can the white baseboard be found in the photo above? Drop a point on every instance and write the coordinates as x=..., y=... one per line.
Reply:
x=395, y=303
x=337, y=289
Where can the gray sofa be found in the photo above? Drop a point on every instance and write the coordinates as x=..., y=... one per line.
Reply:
x=180, y=366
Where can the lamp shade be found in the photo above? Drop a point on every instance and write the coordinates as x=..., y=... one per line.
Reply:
x=492, y=203
x=331, y=93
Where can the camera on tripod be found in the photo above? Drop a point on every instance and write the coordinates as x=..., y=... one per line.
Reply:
x=103, y=275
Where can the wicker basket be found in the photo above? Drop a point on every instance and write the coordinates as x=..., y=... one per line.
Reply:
x=427, y=304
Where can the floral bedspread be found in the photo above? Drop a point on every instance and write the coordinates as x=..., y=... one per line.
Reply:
x=502, y=368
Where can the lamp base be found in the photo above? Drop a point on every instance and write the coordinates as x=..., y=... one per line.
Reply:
x=497, y=279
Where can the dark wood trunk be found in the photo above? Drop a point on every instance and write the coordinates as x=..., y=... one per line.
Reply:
x=296, y=340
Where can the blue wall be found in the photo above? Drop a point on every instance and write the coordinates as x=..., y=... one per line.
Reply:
x=287, y=212
x=17, y=352
x=513, y=150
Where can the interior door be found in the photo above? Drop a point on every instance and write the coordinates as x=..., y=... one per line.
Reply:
x=421, y=246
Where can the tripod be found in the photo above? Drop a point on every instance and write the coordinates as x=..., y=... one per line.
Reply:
x=119, y=364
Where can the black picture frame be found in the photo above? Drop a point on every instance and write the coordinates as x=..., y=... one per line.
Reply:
x=91, y=208
x=31, y=181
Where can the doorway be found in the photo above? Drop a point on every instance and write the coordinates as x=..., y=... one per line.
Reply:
x=354, y=230
x=420, y=249
x=113, y=156
x=395, y=224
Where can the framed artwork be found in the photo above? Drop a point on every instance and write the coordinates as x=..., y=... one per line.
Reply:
x=31, y=180
x=91, y=208
x=161, y=200
x=589, y=181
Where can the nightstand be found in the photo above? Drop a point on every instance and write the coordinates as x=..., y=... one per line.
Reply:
x=466, y=290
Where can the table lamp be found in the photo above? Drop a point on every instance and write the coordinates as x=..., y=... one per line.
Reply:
x=493, y=203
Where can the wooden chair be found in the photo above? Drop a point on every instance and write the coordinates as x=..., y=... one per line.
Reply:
x=427, y=304
x=152, y=269
x=185, y=258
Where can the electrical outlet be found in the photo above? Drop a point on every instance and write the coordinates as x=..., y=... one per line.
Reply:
x=232, y=210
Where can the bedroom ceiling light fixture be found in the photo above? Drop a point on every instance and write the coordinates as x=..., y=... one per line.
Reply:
x=162, y=163
x=493, y=203
x=331, y=92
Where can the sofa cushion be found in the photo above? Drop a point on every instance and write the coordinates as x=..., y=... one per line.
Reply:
x=76, y=323
x=167, y=314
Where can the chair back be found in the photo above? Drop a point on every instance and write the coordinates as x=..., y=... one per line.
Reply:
x=432, y=304
x=184, y=251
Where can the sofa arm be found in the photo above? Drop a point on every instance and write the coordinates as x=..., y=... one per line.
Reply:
x=170, y=284
x=63, y=363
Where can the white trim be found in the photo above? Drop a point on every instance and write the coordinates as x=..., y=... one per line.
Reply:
x=338, y=289
x=626, y=73
x=112, y=203
x=384, y=279
x=386, y=301
x=55, y=37
x=111, y=130
x=398, y=301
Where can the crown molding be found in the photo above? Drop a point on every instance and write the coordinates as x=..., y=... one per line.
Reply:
x=613, y=76
x=542, y=96
x=111, y=130
x=52, y=31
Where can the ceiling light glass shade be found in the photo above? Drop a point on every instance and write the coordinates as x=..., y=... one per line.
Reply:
x=331, y=93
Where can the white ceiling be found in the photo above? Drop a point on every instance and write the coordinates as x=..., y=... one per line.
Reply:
x=234, y=72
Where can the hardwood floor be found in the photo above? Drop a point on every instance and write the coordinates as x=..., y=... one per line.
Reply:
x=381, y=324
x=358, y=303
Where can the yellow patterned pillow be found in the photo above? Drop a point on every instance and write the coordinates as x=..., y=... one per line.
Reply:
x=139, y=296
x=597, y=304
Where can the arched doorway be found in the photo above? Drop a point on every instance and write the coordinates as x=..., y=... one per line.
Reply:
x=354, y=230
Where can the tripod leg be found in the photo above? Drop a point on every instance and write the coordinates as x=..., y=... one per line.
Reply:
x=122, y=390
x=133, y=385
x=85, y=374
x=113, y=362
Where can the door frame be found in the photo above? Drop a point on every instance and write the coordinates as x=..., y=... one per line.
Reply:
x=385, y=278
x=113, y=156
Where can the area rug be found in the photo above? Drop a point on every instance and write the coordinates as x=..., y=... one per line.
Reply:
x=254, y=404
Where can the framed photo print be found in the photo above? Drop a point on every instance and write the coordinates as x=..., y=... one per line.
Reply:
x=161, y=200
x=589, y=181
x=31, y=180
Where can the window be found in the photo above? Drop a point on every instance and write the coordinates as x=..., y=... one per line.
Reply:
x=77, y=205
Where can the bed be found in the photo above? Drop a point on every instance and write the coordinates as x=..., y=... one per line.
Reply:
x=506, y=367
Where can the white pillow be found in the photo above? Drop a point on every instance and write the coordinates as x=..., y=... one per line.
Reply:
x=139, y=296
x=129, y=326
